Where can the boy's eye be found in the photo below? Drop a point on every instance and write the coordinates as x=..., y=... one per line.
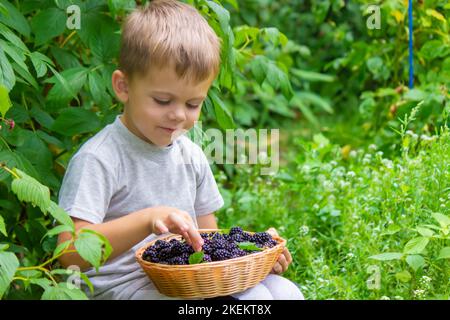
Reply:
x=162, y=102
x=192, y=106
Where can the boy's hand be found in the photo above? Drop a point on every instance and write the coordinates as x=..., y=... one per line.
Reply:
x=169, y=219
x=285, y=258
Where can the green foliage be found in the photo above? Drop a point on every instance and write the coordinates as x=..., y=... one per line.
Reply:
x=315, y=63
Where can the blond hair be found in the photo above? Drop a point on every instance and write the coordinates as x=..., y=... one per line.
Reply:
x=169, y=32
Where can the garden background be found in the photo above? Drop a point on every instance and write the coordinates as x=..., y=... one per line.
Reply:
x=363, y=190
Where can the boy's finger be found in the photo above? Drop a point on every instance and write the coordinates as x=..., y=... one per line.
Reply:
x=196, y=238
x=283, y=262
x=160, y=227
x=272, y=232
x=187, y=238
x=288, y=255
x=277, y=268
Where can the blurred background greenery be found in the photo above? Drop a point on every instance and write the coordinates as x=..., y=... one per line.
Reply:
x=363, y=191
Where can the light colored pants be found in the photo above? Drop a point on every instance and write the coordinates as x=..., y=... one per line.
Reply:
x=273, y=287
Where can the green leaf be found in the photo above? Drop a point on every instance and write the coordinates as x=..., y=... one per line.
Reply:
x=416, y=245
x=387, y=256
x=223, y=115
x=444, y=253
x=15, y=54
x=44, y=283
x=73, y=121
x=249, y=246
x=60, y=215
x=89, y=245
x=63, y=291
x=42, y=117
x=64, y=90
x=403, y=276
x=39, y=63
x=8, y=266
x=25, y=75
x=57, y=230
x=7, y=76
x=314, y=99
x=14, y=159
x=75, y=272
x=223, y=16
x=425, y=232
x=48, y=24
x=392, y=229
x=415, y=261
x=61, y=247
x=5, y=102
x=312, y=76
x=3, y=227
x=74, y=79
x=443, y=220
x=14, y=19
x=12, y=38
x=98, y=90
x=196, y=257
x=30, y=190
x=433, y=49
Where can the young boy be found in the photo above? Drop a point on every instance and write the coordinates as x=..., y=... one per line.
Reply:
x=127, y=182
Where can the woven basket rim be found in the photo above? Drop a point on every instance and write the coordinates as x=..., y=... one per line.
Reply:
x=281, y=242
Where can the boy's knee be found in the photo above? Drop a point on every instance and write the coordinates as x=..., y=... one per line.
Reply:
x=282, y=288
x=258, y=292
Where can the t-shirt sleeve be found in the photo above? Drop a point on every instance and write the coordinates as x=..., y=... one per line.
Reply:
x=208, y=198
x=87, y=188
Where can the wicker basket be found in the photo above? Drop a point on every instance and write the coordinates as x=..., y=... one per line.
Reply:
x=212, y=279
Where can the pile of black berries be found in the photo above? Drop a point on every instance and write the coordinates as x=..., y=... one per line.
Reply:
x=216, y=247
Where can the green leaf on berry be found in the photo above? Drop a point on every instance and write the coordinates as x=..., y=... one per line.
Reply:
x=196, y=257
x=249, y=246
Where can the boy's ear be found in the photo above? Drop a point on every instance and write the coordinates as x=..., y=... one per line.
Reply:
x=120, y=85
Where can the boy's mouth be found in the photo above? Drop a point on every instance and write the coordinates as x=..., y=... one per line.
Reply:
x=168, y=130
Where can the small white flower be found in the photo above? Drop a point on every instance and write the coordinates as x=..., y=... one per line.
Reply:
x=316, y=206
x=229, y=210
x=373, y=147
x=387, y=163
x=353, y=154
x=327, y=184
x=385, y=298
x=351, y=174
x=419, y=293
x=303, y=230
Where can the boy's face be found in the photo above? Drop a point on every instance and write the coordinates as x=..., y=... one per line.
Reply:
x=159, y=106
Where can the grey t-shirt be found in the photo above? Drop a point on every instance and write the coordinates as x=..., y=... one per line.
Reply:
x=115, y=173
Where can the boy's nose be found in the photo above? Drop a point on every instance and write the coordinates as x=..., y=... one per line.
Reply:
x=177, y=114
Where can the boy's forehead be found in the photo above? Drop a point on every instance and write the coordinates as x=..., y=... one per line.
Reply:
x=165, y=81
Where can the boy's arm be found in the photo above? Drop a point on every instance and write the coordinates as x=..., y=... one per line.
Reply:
x=207, y=221
x=122, y=233
x=125, y=232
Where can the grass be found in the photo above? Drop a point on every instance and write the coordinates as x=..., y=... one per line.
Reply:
x=339, y=207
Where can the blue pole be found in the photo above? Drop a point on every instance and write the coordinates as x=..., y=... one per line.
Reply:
x=411, y=66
